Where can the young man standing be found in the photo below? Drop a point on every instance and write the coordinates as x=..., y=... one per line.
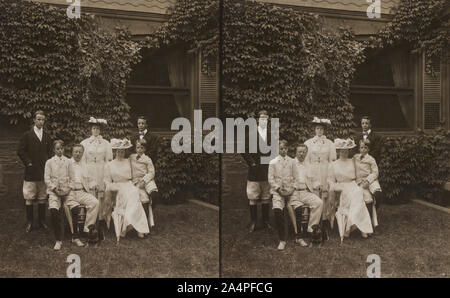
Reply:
x=151, y=150
x=367, y=134
x=34, y=150
x=153, y=141
x=375, y=141
x=258, y=188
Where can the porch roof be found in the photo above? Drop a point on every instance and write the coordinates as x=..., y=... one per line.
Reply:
x=387, y=6
x=146, y=6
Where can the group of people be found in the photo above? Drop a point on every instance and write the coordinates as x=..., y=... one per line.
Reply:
x=99, y=178
x=326, y=181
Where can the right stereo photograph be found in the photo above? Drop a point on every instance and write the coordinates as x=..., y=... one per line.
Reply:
x=339, y=164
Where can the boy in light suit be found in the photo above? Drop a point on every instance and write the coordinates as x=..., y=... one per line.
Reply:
x=282, y=177
x=143, y=176
x=58, y=171
x=367, y=178
x=79, y=195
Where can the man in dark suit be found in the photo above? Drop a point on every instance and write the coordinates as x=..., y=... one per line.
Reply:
x=376, y=142
x=34, y=149
x=153, y=141
x=151, y=150
x=258, y=188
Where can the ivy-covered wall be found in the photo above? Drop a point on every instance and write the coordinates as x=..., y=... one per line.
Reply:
x=73, y=69
x=284, y=61
x=70, y=68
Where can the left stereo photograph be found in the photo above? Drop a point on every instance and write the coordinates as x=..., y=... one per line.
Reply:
x=92, y=94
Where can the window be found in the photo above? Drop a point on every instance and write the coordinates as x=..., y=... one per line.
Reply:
x=383, y=89
x=150, y=91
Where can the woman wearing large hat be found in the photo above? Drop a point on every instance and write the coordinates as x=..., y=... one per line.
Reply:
x=128, y=211
x=321, y=152
x=352, y=212
x=97, y=152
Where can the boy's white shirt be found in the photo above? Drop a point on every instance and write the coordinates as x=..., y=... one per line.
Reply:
x=282, y=169
x=149, y=178
x=52, y=173
x=366, y=168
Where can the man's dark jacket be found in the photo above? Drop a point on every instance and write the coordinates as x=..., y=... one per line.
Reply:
x=259, y=172
x=32, y=150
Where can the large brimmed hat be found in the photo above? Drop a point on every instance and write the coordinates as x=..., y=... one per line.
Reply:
x=344, y=143
x=98, y=121
x=120, y=144
x=321, y=121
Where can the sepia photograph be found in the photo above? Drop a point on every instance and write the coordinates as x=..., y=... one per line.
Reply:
x=359, y=186
x=88, y=92
x=199, y=141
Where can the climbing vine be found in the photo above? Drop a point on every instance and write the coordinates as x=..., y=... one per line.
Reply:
x=70, y=68
x=422, y=26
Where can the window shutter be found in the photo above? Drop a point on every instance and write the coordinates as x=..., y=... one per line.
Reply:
x=432, y=95
x=209, y=87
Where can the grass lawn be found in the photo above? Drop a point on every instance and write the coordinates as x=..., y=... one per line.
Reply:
x=185, y=244
x=413, y=241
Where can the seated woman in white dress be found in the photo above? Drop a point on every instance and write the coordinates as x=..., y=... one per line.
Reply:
x=352, y=212
x=128, y=211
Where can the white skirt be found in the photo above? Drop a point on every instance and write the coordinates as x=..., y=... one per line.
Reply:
x=129, y=208
x=352, y=211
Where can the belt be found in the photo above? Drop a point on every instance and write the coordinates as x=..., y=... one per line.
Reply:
x=78, y=189
x=301, y=189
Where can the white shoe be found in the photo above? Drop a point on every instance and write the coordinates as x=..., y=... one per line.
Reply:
x=301, y=242
x=364, y=235
x=78, y=242
x=140, y=235
x=282, y=245
x=58, y=245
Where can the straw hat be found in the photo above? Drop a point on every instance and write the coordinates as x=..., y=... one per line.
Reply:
x=99, y=121
x=344, y=144
x=120, y=144
x=322, y=121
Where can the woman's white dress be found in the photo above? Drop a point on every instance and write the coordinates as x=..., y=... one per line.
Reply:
x=352, y=211
x=97, y=152
x=128, y=206
x=321, y=152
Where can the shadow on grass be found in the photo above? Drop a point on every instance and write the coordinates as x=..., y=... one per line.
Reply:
x=185, y=243
x=412, y=241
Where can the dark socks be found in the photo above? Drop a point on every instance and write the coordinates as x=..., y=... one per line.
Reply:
x=253, y=213
x=298, y=221
x=56, y=223
x=279, y=220
x=378, y=199
x=265, y=212
x=29, y=211
x=41, y=213
x=75, y=213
